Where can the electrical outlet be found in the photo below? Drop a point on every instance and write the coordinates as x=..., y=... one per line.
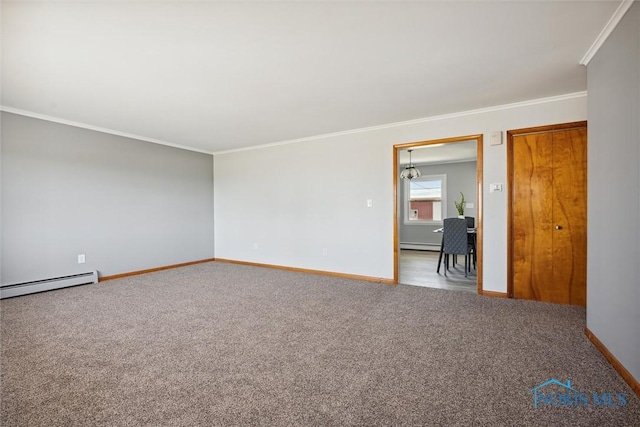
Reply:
x=81, y=259
x=369, y=203
x=324, y=252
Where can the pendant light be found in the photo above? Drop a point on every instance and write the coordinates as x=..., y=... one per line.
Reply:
x=410, y=172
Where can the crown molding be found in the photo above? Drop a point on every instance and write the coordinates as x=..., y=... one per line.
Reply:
x=415, y=121
x=606, y=31
x=306, y=139
x=45, y=117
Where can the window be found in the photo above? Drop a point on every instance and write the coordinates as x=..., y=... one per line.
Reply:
x=425, y=200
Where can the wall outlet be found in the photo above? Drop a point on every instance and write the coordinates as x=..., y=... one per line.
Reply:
x=324, y=252
x=369, y=203
x=81, y=259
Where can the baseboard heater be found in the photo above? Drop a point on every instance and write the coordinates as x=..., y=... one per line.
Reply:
x=420, y=246
x=24, y=288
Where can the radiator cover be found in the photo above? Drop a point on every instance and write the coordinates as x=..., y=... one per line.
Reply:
x=23, y=288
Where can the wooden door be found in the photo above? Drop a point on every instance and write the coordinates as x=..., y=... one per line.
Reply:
x=548, y=219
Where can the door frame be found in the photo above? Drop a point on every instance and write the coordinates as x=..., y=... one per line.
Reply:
x=510, y=170
x=396, y=180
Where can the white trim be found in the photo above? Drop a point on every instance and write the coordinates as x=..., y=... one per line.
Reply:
x=310, y=138
x=96, y=128
x=415, y=121
x=606, y=31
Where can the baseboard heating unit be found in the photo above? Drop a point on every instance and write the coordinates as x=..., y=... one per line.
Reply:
x=23, y=288
x=420, y=246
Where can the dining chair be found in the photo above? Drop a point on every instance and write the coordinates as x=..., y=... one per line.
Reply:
x=471, y=237
x=455, y=242
x=471, y=223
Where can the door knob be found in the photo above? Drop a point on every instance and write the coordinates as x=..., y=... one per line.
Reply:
x=558, y=227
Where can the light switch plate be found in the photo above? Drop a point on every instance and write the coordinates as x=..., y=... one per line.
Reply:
x=493, y=188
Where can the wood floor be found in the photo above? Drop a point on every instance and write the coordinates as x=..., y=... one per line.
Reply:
x=418, y=268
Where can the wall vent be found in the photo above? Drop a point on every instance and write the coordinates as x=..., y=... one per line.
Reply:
x=23, y=288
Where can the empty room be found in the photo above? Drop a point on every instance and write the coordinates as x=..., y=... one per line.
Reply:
x=335, y=213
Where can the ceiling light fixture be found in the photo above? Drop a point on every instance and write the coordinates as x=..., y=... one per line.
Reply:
x=410, y=172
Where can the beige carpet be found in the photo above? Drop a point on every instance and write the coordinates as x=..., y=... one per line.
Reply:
x=222, y=344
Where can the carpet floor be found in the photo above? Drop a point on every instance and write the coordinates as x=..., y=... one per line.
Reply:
x=222, y=344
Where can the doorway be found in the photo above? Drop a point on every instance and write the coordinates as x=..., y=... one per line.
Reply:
x=400, y=215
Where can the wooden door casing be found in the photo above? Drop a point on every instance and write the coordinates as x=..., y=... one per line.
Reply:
x=547, y=220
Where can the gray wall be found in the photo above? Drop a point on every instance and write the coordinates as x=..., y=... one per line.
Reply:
x=1, y=235
x=460, y=177
x=128, y=205
x=613, y=293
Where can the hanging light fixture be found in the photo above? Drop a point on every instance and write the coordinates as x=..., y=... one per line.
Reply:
x=410, y=172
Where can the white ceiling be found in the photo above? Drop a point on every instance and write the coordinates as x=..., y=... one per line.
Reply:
x=216, y=76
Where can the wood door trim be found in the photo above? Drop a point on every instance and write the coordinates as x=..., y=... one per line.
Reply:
x=548, y=128
x=510, y=172
x=396, y=225
x=479, y=231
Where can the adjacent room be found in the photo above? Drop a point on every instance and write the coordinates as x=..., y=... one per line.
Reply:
x=446, y=188
x=319, y=213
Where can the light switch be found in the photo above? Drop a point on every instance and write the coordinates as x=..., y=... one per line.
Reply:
x=369, y=203
x=468, y=205
x=495, y=188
